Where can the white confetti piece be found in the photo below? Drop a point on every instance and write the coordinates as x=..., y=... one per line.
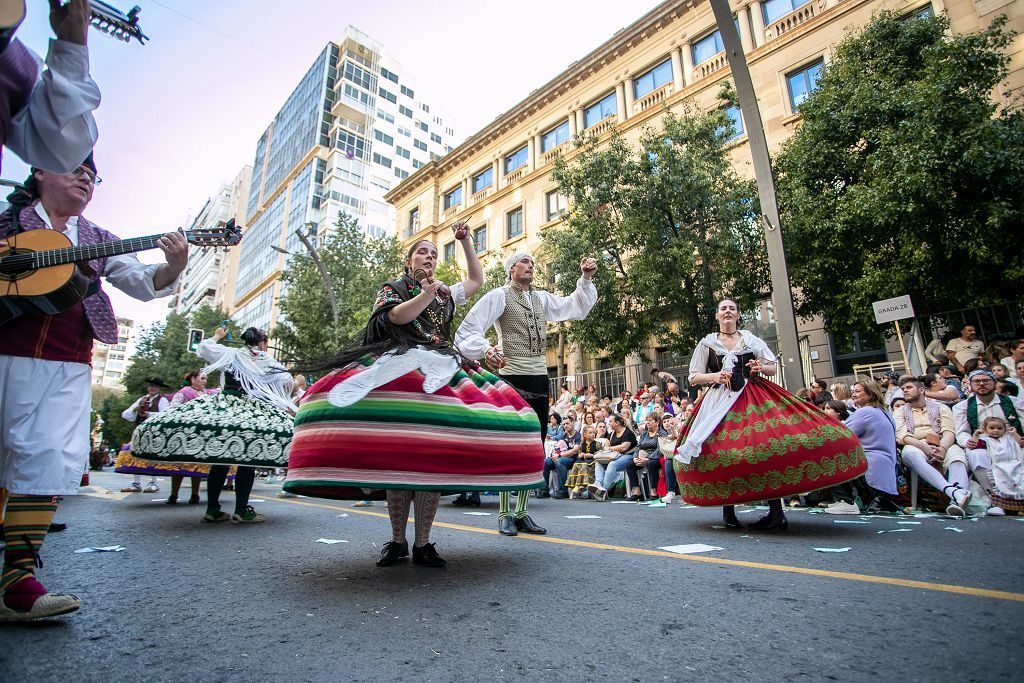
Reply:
x=690, y=548
x=848, y=521
x=582, y=517
x=832, y=550
x=914, y=523
x=102, y=549
x=893, y=531
x=330, y=541
x=953, y=528
x=478, y=514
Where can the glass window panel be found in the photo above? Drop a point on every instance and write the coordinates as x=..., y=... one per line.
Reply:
x=776, y=9
x=802, y=83
x=516, y=159
x=514, y=220
x=453, y=197
x=707, y=47
x=600, y=110
x=483, y=179
x=554, y=137
x=653, y=79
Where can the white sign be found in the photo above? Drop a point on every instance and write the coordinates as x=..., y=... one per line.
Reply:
x=893, y=309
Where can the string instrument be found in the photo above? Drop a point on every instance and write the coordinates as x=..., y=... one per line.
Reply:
x=115, y=23
x=143, y=412
x=42, y=273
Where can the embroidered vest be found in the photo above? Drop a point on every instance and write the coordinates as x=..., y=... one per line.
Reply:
x=1009, y=411
x=932, y=409
x=18, y=73
x=523, y=328
x=98, y=310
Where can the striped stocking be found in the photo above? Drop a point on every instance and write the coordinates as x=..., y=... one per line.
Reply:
x=25, y=526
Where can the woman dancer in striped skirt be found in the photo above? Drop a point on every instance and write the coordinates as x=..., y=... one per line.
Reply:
x=402, y=413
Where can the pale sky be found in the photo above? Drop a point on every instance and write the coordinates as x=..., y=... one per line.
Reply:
x=182, y=114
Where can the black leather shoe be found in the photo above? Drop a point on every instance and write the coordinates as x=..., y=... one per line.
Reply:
x=427, y=556
x=729, y=518
x=560, y=494
x=769, y=523
x=527, y=525
x=461, y=501
x=392, y=553
x=171, y=500
x=543, y=493
x=507, y=526
x=57, y=526
x=474, y=500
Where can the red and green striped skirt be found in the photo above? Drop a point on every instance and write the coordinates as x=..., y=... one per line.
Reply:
x=769, y=445
x=474, y=434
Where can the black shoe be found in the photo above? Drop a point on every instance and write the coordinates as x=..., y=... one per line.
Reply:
x=527, y=525
x=473, y=500
x=633, y=498
x=57, y=526
x=560, y=494
x=171, y=500
x=392, y=553
x=769, y=523
x=193, y=500
x=461, y=501
x=427, y=556
x=507, y=526
x=543, y=493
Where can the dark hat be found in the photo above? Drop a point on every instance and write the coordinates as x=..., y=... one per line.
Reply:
x=157, y=382
x=891, y=375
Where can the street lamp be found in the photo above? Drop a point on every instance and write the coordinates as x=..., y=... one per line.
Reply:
x=785, y=318
x=328, y=283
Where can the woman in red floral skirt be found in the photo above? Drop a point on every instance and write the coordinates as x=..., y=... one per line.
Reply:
x=749, y=439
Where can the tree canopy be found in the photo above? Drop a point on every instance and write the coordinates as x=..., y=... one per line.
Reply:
x=672, y=226
x=358, y=266
x=905, y=175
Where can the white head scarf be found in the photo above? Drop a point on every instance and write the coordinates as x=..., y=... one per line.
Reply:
x=513, y=260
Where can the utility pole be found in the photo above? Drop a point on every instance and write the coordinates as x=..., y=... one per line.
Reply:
x=323, y=274
x=782, y=291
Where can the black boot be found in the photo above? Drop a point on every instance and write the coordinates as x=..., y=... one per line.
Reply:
x=729, y=517
x=392, y=553
x=507, y=526
x=527, y=525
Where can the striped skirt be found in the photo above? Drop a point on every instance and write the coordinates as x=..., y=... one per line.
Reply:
x=771, y=444
x=476, y=433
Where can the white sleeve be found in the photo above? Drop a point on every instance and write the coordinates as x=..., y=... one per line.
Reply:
x=698, y=361
x=210, y=351
x=576, y=306
x=132, y=412
x=164, y=404
x=469, y=338
x=55, y=130
x=135, y=278
x=961, y=428
x=177, y=400
x=761, y=350
x=458, y=293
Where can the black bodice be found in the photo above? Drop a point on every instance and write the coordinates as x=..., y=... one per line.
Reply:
x=740, y=371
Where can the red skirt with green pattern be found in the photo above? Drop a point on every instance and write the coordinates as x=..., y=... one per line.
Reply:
x=474, y=434
x=770, y=445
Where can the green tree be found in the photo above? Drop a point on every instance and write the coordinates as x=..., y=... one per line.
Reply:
x=116, y=430
x=162, y=349
x=358, y=266
x=904, y=176
x=449, y=272
x=673, y=228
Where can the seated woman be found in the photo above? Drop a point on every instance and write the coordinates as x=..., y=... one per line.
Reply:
x=841, y=392
x=582, y=473
x=622, y=441
x=555, y=431
x=647, y=455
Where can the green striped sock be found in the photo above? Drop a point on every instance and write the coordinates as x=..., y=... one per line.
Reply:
x=25, y=525
x=522, y=501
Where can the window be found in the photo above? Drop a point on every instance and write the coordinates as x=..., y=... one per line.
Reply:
x=707, y=47
x=389, y=96
x=407, y=92
x=802, y=83
x=480, y=240
x=357, y=94
x=555, y=204
x=402, y=152
x=776, y=9
x=736, y=118
x=516, y=159
x=385, y=116
x=416, y=163
x=353, y=73
x=434, y=137
x=453, y=197
x=424, y=107
x=383, y=137
x=650, y=81
x=514, y=223
x=382, y=160
x=422, y=126
x=419, y=144
x=352, y=145
x=404, y=131
x=484, y=178
x=402, y=175
x=449, y=251
x=922, y=12
x=856, y=349
x=414, y=221
x=390, y=75
x=404, y=111
x=554, y=137
x=599, y=111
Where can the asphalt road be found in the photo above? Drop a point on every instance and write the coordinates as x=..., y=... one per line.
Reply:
x=595, y=599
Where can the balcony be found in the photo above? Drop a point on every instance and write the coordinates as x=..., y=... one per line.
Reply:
x=710, y=66
x=602, y=126
x=481, y=195
x=451, y=211
x=514, y=176
x=653, y=99
x=797, y=17
x=548, y=157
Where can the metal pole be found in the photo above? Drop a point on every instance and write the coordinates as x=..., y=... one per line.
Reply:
x=785, y=318
x=323, y=274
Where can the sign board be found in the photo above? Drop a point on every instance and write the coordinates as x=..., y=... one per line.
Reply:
x=890, y=310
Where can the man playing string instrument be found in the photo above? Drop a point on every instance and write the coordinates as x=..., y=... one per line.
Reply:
x=45, y=378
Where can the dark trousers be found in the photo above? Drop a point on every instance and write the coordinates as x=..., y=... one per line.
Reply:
x=653, y=468
x=535, y=392
x=562, y=467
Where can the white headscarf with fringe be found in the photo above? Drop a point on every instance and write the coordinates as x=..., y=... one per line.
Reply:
x=259, y=374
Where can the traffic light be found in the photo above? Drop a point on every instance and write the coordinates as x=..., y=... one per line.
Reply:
x=195, y=338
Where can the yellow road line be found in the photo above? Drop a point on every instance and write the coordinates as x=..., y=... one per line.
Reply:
x=847, y=576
